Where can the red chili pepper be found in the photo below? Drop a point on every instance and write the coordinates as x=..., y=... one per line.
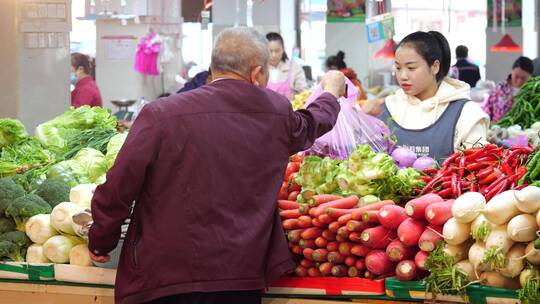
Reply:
x=461, y=170
x=431, y=184
x=491, y=178
x=465, y=184
x=477, y=165
x=471, y=151
x=430, y=171
x=445, y=193
x=496, y=190
x=488, y=158
x=474, y=187
x=484, y=173
x=526, y=149
x=450, y=159
x=426, y=179
x=454, y=184
x=511, y=157
x=446, y=184
x=447, y=178
x=506, y=169
x=458, y=189
x=495, y=183
x=521, y=187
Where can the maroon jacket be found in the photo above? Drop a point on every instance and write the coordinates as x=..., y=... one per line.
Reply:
x=86, y=92
x=205, y=168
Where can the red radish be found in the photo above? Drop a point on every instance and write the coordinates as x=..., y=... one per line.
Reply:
x=290, y=214
x=353, y=272
x=368, y=275
x=304, y=221
x=321, y=242
x=311, y=233
x=306, y=263
x=345, y=248
x=360, y=264
x=356, y=237
x=343, y=232
x=334, y=226
x=356, y=226
x=343, y=203
x=360, y=250
x=332, y=246
x=438, y=213
x=307, y=253
x=329, y=235
x=326, y=268
x=292, y=167
x=420, y=259
x=416, y=208
x=357, y=215
x=335, y=257
x=317, y=200
x=296, y=249
x=313, y=272
x=283, y=193
x=306, y=244
x=397, y=251
x=342, y=220
x=336, y=213
x=289, y=224
x=304, y=209
x=294, y=235
x=316, y=223
x=410, y=230
x=320, y=255
x=340, y=238
x=339, y=271
x=292, y=184
x=377, y=237
x=406, y=270
x=370, y=216
x=350, y=261
x=301, y=271
x=287, y=205
x=377, y=262
x=293, y=195
x=325, y=218
x=390, y=216
x=430, y=237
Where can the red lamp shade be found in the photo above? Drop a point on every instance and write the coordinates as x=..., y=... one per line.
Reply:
x=506, y=44
x=387, y=51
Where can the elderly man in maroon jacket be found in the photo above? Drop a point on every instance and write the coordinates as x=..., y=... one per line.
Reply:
x=204, y=168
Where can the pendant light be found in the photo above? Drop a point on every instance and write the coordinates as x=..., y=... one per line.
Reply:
x=506, y=44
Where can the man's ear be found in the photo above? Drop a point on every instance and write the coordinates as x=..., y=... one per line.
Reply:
x=254, y=76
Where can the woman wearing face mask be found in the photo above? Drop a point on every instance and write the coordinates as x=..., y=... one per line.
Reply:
x=86, y=91
x=501, y=98
x=286, y=76
x=431, y=114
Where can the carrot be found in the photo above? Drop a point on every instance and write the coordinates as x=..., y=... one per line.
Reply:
x=306, y=244
x=350, y=261
x=316, y=223
x=343, y=232
x=339, y=271
x=342, y=220
x=293, y=195
x=357, y=215
x=356, y=237
x=307, y=253
x=332, y=246
x=290, y=214
x=287, y=205
x=296, y=249
x=397, y=251
x=377, y=237
x=360, y=264
x=359, y=250
x=317, y=200
x=370, y=216
x=313, y=272
x=416, y=208
x=321, y=242
x=410, y=230
x=377, y=262
x=353, y=272
x=328, y=235
x=440, y=212
x=336, y=213
x=300, y=271
x=342, y=203
x=406, y=270
x=294, y=235
x=306, y=263
x=420, y=259
x=320, y=255
x=356, y=226
x=334, y=226
x=311, y=233
x=304, y=221
x=335, y=257
x=390, y=216
x=345, y=248
x=325, y=218
x=289, y=224
x=430, y=237
x=326, y=268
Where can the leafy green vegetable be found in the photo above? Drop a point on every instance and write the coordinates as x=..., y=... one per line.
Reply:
x=53, y=191
x=9, y=191
x=113, y=147
x=69, y=172
x=24, y=207
x=92, y=162
x=444, y=278
x=6, y=225
x=97, y=138
x=11, y=132
x=26, y=155
x=13, y=245
x=525, y=107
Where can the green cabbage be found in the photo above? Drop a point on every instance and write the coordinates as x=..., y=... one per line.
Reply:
x=69, y=171
x=93, y=163
x=113, y=147
x=11, y=132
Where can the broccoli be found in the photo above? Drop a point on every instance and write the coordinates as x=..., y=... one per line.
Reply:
x=53, y=192
x=25, y=207
x=6, y=225
x=13, y=245
x=9, y=191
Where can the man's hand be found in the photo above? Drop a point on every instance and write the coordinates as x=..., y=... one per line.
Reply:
x=333, y=82
x=100, y=258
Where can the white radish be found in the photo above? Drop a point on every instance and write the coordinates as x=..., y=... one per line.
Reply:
x=476, y=255
x=501, y=208
x=460, y=252
x=468, y=268
x=522, y=228
x=538, y=218
x=455, y=233
x=498, y=238
x=495, y=279
x=532, y=254
x=80, y=255
x=514, y=262
x=528, y=199
x=467, y=207
x=34, y=254
x=480, y=228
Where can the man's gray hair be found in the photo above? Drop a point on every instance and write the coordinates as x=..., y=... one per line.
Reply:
x=239, y=50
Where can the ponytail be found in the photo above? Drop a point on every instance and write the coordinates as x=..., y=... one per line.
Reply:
x=445, y=52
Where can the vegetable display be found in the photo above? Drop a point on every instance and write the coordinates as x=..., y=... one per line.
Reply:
x=525, y=107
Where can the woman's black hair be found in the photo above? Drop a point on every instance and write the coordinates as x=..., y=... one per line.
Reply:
x=524, y=63
x=81, y=60
x=273, y=36
x=431, y=46
x=337, y=61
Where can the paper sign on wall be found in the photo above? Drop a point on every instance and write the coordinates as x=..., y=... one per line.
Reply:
x=119, y=48
x=380, y=27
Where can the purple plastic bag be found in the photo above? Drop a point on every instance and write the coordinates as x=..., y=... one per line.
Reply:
x=353, y=127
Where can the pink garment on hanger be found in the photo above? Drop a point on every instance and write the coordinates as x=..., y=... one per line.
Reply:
x=146, y=57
